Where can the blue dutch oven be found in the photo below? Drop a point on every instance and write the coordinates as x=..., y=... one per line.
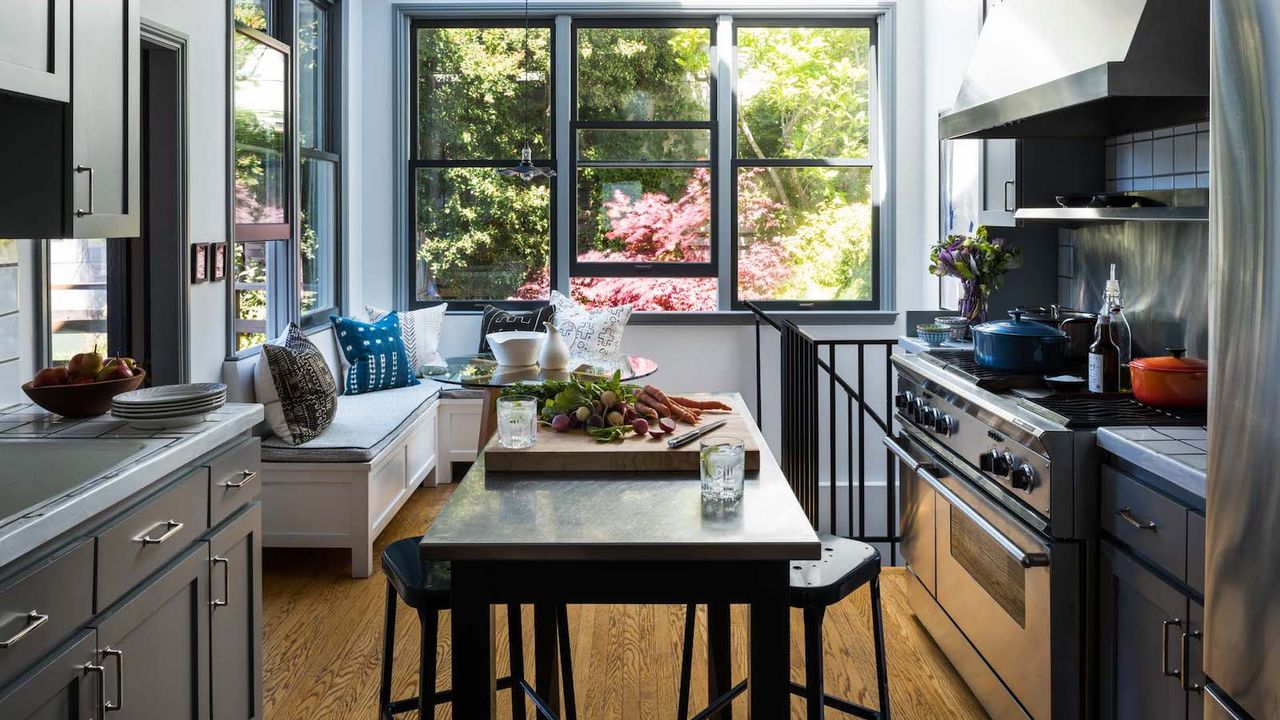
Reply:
x=1019, y=346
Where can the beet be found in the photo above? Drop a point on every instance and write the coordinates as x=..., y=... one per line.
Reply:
x=667, y=425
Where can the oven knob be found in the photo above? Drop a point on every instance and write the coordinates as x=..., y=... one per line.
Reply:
x=915, y=409
x=1002, y=463
x=904, y=399
x=987, y=460
x=1023, y=478
x=930, y=417
x=944, y=424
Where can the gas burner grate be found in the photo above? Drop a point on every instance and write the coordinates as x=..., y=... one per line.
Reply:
x=962, y=363
x=1092, y=410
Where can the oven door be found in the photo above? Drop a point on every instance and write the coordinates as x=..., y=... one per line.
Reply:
x=993, y=579
x=916, y=511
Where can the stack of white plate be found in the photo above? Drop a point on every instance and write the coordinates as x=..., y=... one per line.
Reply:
x=168, y=406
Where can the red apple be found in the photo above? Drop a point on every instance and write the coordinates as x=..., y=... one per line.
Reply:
x=118, y=371
x=51, y=376
x=85, y=365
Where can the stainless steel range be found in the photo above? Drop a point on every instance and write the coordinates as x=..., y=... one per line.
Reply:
x=999, y=484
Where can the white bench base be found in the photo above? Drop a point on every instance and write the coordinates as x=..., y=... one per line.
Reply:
x=459, y=433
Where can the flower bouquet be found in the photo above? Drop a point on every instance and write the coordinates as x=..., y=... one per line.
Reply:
x=979, y=262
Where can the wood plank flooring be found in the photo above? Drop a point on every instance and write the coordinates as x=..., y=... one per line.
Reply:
x=324, y=636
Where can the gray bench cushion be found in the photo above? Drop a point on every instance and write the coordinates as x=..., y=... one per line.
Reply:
x=455, y=392
x=363, y=426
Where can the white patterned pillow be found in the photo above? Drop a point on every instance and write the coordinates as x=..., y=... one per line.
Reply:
x=420, y=330
x=590, y=333
x=295, y=387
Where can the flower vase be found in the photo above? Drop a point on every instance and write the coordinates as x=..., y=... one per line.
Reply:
x=555, y=351
x=973, y=303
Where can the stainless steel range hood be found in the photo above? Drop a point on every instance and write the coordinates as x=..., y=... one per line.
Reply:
x=1084, y=68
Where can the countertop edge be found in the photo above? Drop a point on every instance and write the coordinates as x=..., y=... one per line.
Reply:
x=1182, y=479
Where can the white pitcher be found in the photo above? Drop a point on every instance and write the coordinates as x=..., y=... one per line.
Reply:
x=555, y=351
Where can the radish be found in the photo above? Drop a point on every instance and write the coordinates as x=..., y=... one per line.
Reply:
x=640, y=425
x=667, y=425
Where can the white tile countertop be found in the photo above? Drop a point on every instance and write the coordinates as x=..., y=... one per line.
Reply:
x=159, y=453
x=1176, y=455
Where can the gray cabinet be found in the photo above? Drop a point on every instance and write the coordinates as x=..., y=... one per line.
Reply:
x=35, y=49
x=65, y=686
x=999, y=182
x=1148, y=635
x=235, y=612
x=154, y=642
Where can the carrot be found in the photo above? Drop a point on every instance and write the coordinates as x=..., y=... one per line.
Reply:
x=643, y=409
x=649, y=401
x=700, y=404
x=679, y=412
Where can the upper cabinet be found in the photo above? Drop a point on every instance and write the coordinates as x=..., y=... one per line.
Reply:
x=985, y=182
x=35, y=49
x=72, y=161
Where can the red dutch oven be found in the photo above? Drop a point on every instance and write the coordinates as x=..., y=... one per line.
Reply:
x=1171, y=381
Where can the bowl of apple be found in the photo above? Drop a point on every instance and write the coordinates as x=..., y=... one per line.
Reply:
x=85, y=386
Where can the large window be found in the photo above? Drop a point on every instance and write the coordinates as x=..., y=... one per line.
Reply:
x=477, y=235
x=317, y=147
x=678, y=197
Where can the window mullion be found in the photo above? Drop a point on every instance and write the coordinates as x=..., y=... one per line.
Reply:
x=566, y=148
x=722, y=204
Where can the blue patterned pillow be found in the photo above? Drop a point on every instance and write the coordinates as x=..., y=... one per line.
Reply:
x=375, y=352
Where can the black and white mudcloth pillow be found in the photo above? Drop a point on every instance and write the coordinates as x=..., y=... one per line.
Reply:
x=499, y=320
x=295, y=387
x=420, y=330
x=590, y=333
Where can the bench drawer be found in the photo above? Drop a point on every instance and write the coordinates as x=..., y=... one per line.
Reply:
x=1153, y=525
x=147, y=538
x=44, y=605
x=234, y=480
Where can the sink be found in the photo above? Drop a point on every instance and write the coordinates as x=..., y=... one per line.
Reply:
x=33, y=471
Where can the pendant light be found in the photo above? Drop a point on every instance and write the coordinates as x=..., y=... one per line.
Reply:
x=526, y=170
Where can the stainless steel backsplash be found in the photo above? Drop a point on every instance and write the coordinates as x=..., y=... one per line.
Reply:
x=1163, y=272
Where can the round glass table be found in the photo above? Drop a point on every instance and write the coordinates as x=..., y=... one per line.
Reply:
x=482, y=371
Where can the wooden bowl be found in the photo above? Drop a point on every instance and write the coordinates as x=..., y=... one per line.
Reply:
x=83, y=400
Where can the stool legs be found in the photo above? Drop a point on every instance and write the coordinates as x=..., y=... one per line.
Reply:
x=813, y=695
x=429, y=622
x=388, y=647
x=515, y=644
x=686, y=660
x=882, y=667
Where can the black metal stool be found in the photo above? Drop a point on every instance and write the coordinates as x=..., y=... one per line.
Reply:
x=846, y=565
x=426, y=587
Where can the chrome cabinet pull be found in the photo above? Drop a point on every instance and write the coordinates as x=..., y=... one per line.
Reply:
x=226, y=581
x=1127, y=514
x=119, y=656
x=34, y=620
x=101, y=672
x=1025, y=559
x=84, y=169
x=1008, y=184
x=1184, y=650
x=246, y=477
x=1164, y=646
x=174, y=526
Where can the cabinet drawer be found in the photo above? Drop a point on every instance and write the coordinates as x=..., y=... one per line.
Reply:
x=44, y=605
x=150, y=536
x=1150, y=523
x=234, y=480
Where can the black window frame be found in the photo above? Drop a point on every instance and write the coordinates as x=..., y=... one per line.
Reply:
x=873, y=162
x=416, y=162
x=331, y=151
x=579, y=269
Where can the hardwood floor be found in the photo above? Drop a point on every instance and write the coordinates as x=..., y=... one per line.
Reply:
x=324, y=636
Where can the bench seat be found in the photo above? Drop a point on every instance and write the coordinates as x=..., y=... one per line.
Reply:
x=362, y=428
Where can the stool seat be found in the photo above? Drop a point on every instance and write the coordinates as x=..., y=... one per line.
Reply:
x=846, y=565
x=422, y=584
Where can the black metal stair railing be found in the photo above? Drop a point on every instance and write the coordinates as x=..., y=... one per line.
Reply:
x=810, y=383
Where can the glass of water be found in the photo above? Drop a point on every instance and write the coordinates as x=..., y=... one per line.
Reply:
x=723, y=461
x=517, y=421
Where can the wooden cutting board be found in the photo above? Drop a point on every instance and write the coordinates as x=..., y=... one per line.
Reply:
x=575, y=451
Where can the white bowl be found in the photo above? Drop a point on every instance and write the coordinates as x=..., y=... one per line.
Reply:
x=516, y=348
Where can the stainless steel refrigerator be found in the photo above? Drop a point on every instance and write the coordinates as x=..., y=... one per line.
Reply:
x=1242, y=594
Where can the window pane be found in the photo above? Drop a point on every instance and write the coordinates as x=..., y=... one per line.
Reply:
x=77, y=297
x=481, y=236
x=250, y=278
x=679, y=294
x=477, y=96
x=644, y=215
x=253, y=13
x=644, y=74
x=596, y=144
x=804, y=92
x=313, y=73
x=804, y=233
x=260, y=87
x=319, y=233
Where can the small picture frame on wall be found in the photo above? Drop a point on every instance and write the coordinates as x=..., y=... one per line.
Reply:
x=199, y=263
x=217, y=261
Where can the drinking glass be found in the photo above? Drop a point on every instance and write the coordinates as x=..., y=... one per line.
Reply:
x=517, y=421
x=722, y=465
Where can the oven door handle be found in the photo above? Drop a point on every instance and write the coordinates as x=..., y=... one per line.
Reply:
x=901, y=452
x=1025, y=559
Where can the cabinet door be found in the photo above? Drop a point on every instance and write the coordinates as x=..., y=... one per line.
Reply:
x=66, y=686
x=1192, y=663
x=105, y=112
x=235, y=606
x=154, y=644
x=35, y=48
x=999, y=182
x=1141, y=621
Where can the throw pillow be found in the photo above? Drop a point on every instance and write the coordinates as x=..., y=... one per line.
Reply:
x=375, y=352
x=498, y=320
x=590, y=333
x=295, y=387
x=420, y=330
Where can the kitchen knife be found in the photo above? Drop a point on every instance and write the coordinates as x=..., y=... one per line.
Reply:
x=685, y=439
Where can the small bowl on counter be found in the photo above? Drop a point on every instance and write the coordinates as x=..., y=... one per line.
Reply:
x=958, y=325
x=1172, y=381
x=933, y=334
